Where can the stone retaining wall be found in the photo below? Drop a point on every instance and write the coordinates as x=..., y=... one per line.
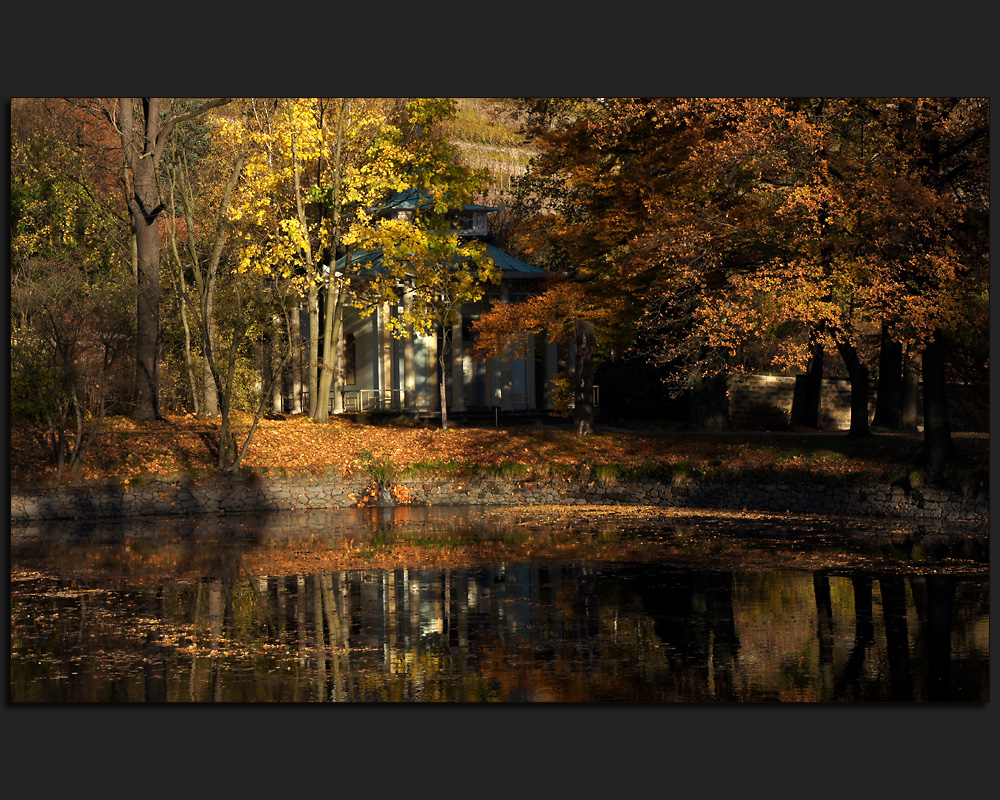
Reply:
x=254, y=495
x=968, y=405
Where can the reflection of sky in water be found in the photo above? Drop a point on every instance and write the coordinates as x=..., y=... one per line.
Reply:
x=172, y=614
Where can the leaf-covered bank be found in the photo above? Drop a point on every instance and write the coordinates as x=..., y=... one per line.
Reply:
x=183, y=447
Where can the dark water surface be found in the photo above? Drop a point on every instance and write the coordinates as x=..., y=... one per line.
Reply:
x=456, y=605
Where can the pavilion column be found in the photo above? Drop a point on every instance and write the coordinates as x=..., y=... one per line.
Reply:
x=457, y=365
x=297, y=344
x=276, y=376
x=433, y=367
x=338, y=364
x=409, y=362
x=385, y=342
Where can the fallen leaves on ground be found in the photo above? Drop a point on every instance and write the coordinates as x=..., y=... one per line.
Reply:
x=184, y=443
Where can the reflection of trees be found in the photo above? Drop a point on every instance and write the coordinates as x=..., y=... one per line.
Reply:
x=934, y=597
x=549, y=632
x=523, y=631
x=928, y=658
x=694, y=621
x=824, y=629
x=897, y=638
x=848, y=686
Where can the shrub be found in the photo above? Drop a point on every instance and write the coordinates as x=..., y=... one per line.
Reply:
x=382, y=470
x=607, y=473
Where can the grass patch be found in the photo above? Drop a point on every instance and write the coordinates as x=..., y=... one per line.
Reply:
x=436, y=467
x=607, y=473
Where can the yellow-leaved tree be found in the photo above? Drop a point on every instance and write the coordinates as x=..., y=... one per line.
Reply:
x=317, y=171
x=425, y=266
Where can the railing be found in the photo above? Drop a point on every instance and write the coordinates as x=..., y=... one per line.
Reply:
x=373, y=399
x=356, y=400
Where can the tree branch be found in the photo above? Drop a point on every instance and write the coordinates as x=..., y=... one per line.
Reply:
x=168, y=126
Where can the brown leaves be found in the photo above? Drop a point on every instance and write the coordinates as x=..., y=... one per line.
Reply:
x=300, y=446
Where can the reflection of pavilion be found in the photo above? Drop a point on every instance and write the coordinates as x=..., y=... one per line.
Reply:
x=550, y=632
x=402, y=621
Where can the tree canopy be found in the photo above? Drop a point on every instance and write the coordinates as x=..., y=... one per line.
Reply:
x=706, y=236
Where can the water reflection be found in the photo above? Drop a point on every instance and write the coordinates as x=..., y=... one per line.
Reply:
x=708, y=610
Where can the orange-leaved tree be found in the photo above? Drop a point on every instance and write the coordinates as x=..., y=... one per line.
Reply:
x=879, y=205
x=589, y=194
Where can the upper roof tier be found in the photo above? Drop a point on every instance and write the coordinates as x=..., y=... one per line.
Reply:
x=510, y=267
x=414, y=198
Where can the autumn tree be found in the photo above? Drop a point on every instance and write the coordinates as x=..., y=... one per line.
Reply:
x=886, y=241
x=144, y=131
x=320, y=170
x=430, y=272
x=69, y=263
x=319, y=166
x=424, y=266
x=941, y=294
x=69, y=336
x=587, y=198
x=202, y=243
x=767, y=226
x=807, y=290
x=556, y=312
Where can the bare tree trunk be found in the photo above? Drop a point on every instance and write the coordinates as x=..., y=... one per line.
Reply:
x=939, y=449
x=145, y=207
x=443, y=380
x=181, y=289
x=312, y=293
x=147, y=348
x=313, y=370
x=331, y=332
x=889, y=400
x=334, y=293
x=189, y=363
x=583, y=417
x=211, y=405
x=806, y=411
x=858, y=373
x=143, y=143
x=910, y=412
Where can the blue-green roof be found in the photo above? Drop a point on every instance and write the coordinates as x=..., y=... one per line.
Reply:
x=509, y=266
x=418, y=198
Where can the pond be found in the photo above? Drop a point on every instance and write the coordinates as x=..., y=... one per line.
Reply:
x=467, y=605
